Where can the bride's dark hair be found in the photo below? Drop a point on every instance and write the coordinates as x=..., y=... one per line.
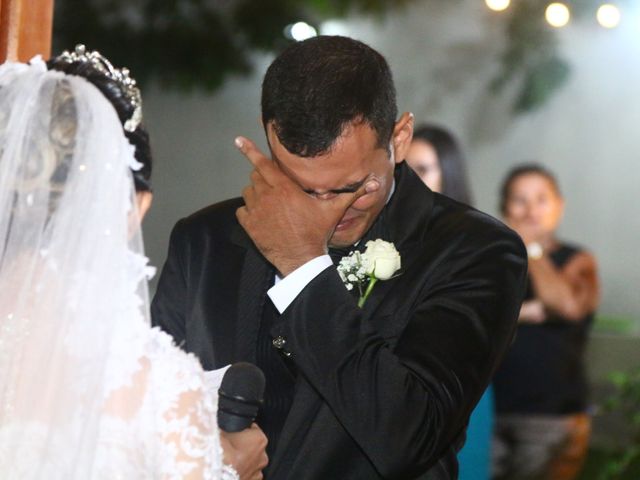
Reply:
x=113, y=92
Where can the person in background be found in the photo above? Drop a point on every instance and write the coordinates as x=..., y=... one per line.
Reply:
x=435, y=155
x=542, y=425
x=437, y=158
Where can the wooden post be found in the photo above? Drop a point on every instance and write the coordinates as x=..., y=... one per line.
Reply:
x=25, y=29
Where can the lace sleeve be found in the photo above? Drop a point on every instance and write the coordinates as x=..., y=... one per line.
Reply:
x=168, y=396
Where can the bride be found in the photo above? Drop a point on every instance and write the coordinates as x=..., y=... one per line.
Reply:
x=88, y=390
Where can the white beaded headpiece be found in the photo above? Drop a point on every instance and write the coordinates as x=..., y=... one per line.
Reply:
x=120, y=76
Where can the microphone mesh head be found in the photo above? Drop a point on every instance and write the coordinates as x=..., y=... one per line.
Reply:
x=244, y=380
x=240, y=396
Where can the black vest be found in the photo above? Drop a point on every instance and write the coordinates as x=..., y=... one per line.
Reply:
x=543, y=372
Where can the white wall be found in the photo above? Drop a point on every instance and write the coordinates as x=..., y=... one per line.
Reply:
x=443, y=55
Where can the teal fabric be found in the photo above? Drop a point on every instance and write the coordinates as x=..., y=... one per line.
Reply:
x=475, y=456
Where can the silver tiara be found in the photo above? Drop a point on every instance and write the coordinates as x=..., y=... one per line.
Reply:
x=119, y=75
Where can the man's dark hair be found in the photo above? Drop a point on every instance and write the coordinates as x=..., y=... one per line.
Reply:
x=316, y=87
x=520, y=170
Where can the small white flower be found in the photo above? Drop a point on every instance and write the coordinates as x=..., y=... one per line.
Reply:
x=343, y=277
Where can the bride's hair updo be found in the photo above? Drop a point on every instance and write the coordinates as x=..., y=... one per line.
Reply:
x=114, y=92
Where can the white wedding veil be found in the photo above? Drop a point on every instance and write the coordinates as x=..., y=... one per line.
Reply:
x=87, y=388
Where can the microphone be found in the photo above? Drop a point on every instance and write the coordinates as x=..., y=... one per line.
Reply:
x=240, y=396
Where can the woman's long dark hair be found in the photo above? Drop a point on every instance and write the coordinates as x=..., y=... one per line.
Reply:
x=451, y=160
x=139, y=138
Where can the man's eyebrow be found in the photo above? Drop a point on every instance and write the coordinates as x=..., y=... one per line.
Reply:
x=350, y=188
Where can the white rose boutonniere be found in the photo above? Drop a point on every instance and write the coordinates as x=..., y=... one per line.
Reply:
x=380, y=261
x=383, y=259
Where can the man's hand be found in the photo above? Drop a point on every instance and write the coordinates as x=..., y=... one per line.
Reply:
x=245, y=451
x=287, y=225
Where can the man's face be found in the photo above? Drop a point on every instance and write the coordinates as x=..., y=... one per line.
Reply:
x=353, y=159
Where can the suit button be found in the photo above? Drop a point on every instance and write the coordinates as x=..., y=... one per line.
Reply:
x=279, y=342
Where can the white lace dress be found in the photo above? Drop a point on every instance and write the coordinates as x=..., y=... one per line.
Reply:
x=155, y=418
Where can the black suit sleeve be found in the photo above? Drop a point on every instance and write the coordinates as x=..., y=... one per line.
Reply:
x=404, y=404
x=168, y=309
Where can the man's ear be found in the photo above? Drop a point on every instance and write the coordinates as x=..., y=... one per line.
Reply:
x=402, y=135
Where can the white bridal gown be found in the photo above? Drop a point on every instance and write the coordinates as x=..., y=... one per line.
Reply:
x=88, y=390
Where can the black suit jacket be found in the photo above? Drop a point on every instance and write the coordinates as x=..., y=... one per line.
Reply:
x=382, y=392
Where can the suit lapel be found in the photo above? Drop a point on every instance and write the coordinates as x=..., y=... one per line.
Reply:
x=406, y=219
x=255, y=279
x=408, y=212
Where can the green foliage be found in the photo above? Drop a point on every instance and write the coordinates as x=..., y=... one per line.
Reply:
x=531, y=55
x=273, y=15
x=540, y=81
x=616, y=324
x=183, y=44
x=626, y=401
x=189, y=44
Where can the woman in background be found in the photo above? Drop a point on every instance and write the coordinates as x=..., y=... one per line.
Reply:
x=542, y=425
x=437, y=158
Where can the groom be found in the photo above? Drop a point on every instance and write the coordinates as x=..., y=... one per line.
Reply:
x=382, y=391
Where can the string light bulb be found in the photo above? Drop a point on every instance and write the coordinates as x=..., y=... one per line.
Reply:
x=300, y=31
x=557, y=14
x=498, y=5
x=608, y=15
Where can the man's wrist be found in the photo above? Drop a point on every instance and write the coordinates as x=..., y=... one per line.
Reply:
x=285, y=266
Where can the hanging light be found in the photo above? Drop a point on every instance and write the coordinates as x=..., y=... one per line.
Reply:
x=557, y=14
x=498, y=5
x=608, y=15
x=300, y=31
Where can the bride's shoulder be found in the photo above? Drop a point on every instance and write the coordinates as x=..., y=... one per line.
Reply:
x=166, y=356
